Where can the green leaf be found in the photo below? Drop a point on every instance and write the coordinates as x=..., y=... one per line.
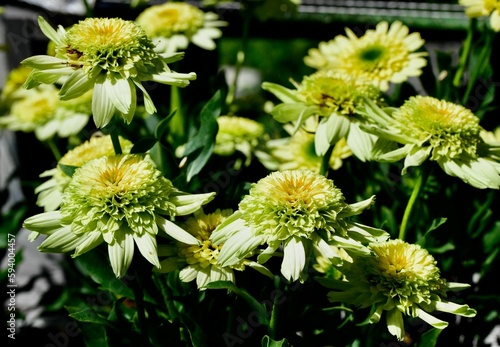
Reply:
x=98, y=268
x=429, y=338
x=68, y=170
x=199, y=148
x=143, y=145
x=254, y=304
x=164, y=159
x=162, y=127
x=268, y=342
x=87, y=314
x=491, y=239
x=94, y=335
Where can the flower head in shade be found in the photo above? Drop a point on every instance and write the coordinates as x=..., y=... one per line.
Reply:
x=173, y=25
x=39, y=110
x=199, y=260
x=120, y=200
x=399, y=278
x=237, y=134
x=13, y=89
x=297, y=152
x=298, y=210
x=438, y=130
x=50, y=192
x=382, y=55
x=334, y=99
x=483, y=8
x=113, y=57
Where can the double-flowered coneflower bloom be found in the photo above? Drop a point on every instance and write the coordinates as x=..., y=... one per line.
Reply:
x=173, y=25
x=50, y=192
x=198, y=259
x=334, y=99
x=384, y=55
x=301, y=212
x=122, y=200
x=483, y=8
x=399, y=278
x=428, y=128
x=110, y=56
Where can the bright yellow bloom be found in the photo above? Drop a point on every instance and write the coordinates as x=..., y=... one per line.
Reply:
x=399, y=278
x=113, y=57
x=173, y=25
x=483, y=8
x=199, y=261
x=438, y=130
x=383, y=55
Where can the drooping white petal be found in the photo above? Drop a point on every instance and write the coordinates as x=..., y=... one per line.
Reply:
x=102, y=107
x=175, y=231
x=146, y=243
x=238, y=246
x=395, y=323
x=294, y=258
x=121, y=254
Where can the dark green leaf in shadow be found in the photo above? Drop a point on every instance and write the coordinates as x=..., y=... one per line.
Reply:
x=268, y=342
x=68, y=170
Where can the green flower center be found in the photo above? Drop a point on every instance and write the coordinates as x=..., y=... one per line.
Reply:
x=170, y=18
x=116, y=193
x=450, y=129
x=403, y=270
x=292, y=203
x=334, y=92
x=113, y=44
x=371, y=54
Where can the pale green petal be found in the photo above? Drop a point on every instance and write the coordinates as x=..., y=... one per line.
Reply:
x=204, y=41
x=49, y=31
x=294, y=258
x=364, y=233
x=45, y=76
x=188, y=274
x=436, y=323
x=44, y=62
x=394, y=155
x=265, y=255
x=102, y=107
x=285, y=113
x=284, y=94
x=323, y=247
x=451, y=307
x=480, y=173
x=238, y=246
x=360, y=142
x=148, y=102
x=121, y=254
x=47, y=130
x=77, y=84
x=175, y=231
x=188, y=203
x=375, y=317
x=227, y=228
x=350, y=244
x=495, y=20
x=220, y=274
x=90, y=241
x=119, y=91
x=202, y=277
x=330, y=130
x=395, y=323
x=62, y=240
x=416, y=156
x=453, y=286
x=175, y=79
x=168, y=58
x=43, y=222
x=73, y=125
x=356, y=208
x=261, y=268
x=146, y=243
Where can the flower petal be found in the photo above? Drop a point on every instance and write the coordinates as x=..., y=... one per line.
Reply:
x=395, y=323
x=294, y=259
x=121, y=254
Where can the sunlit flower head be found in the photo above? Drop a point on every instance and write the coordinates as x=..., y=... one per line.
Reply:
x=119, y=200
x=334, y=98
x=173, y=25
x=440, y=131
x=297, y=152
x=299, y=210
x=483, y=8
x=382, y=55
x=51, y=191
x=237, y=134
x=399, y=278
x=199, y=261
x=113, y=57
x=39, y=110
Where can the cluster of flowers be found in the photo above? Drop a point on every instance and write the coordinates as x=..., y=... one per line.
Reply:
x=102, y=191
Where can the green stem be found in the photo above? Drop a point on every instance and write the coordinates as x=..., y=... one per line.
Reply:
x=325, y=162
x=116, y=142
x=178, y=121
x=240, y=58
x=273, y=321
x=417, y=188
x=53, y=148
x=464, y=55
x=139, y=302
x=165, y=293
